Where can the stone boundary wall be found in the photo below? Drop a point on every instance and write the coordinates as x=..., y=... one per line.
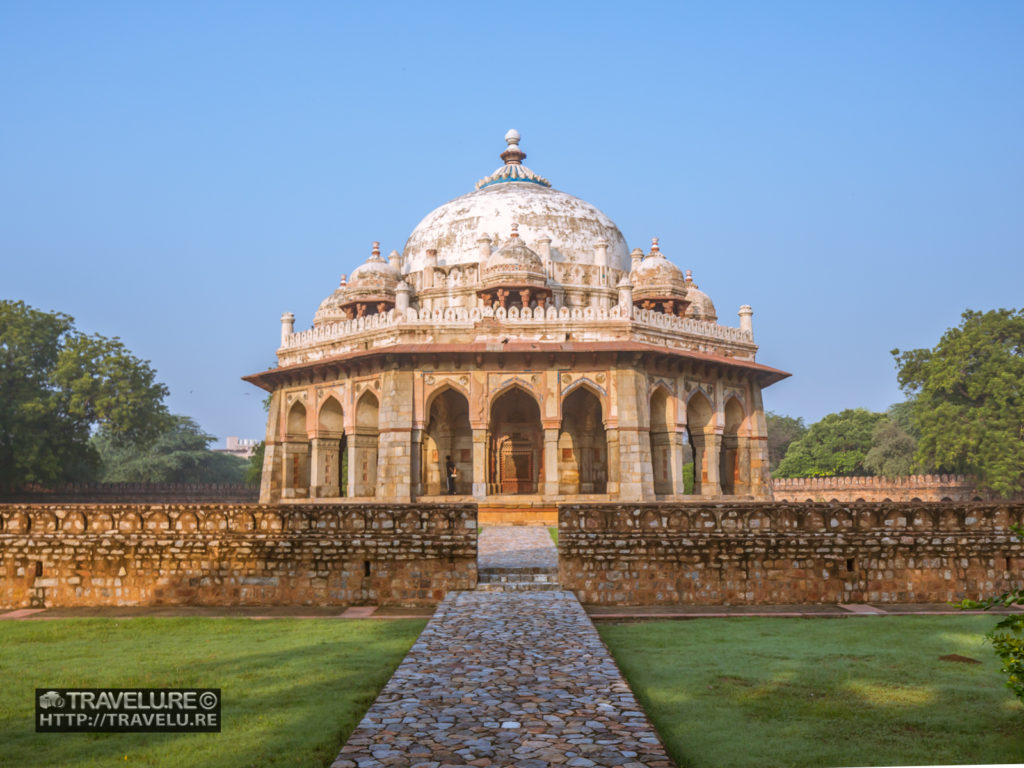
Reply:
x=849, y=489
x=234, y=554
x=134, y=493
x=780, y=552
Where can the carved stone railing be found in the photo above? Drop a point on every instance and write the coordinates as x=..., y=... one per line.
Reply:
x=460, y=317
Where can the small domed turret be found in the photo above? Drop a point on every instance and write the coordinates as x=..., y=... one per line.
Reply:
x=658, y=284
x=513, y=274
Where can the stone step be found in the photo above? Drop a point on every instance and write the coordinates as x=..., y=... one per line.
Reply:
x=520, y=570
x=490, y=577
x=519, y=586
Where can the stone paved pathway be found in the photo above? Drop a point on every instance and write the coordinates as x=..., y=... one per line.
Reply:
x=516, y=546
x=506, y=679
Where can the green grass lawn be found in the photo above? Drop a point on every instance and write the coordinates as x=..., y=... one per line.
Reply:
x=554, y=534
x=822, y=692
x=292, y=690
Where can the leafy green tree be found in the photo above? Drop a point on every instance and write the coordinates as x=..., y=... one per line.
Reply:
x=180, y=454
x=968, y=397
x=57, y=386
x=836, y=445
x=892, y=450
x=782, y=431
x=254, y=470
x=1007, y=637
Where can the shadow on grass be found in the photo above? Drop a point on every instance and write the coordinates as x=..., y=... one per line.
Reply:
x=292, y=690
x=814, y=692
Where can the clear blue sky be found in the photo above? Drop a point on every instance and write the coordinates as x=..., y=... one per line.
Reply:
x=179, y=174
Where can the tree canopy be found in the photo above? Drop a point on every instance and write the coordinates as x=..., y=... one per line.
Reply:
x=180, y=454
x=968, y=399
x=782, y=431
x=836, y=445
x=59, y=385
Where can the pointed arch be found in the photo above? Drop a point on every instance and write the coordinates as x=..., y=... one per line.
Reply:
x=448, y=437
x=700, y=423
x=730, y=471
x=515, y=450
x=329, y=457
x=364, y=446
x=331, y=419
x=295, y=424
x=295, y=456
x=660, y=433
x=516, y=384
x=582, y=443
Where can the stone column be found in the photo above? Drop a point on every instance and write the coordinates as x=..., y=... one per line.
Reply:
x=324, y=467
x=295, y=469
x=636, y=476
x=760, y=481
x=416, y=461
x=394, y=454
x=362, y=463
x=273, y=461
x=480, y=463
x=613, y=461
x=711, y=484
x=550, y=459
x=676, y=460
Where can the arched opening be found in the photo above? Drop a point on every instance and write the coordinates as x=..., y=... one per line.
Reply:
x=330, y=465
x=731, y=459
x=582, y=445
x=661, y=443
x=448, y=438
x=295, y=472
x=363, y=446
x=699, y=416
x=516, y=444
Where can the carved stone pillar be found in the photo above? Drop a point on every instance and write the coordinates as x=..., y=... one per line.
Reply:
x=550, y=460
x=324, y=467
x=295, y=469
x=613, y=461
x=710, y=481
x=416, y=461
x=480, y=463
x=362, y=463
x=676, y=460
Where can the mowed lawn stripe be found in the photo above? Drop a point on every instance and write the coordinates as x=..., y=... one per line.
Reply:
x=293, y=690
x=822, y=692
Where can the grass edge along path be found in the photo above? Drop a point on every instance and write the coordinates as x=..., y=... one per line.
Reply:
x=821, y=692
x=292, y=689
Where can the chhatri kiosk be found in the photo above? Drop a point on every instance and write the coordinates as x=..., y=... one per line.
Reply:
x=517, y=334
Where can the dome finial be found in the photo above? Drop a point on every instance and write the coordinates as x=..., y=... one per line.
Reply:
x=375, y=254
x=515, y=229
x=513, y=155
x=655, y=250
x=513, y=169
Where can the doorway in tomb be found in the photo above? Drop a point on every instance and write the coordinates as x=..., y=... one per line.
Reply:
x=515, y=451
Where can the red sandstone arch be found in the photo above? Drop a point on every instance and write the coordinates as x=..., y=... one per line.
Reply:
x=515, y=453
x=582, y=443
x=700, y=422
x=447, y=433
x=734, y=463
x=660, y=430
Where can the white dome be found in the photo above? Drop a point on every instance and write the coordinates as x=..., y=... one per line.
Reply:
x=515, y=195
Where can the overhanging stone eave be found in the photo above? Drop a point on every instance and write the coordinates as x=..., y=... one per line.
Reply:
x=270, y=379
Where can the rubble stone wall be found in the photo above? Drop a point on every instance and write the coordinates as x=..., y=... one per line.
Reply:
x=759, y=553
x=849, y=489
x=234, y=554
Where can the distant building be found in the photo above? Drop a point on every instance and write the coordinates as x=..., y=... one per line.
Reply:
x=242, y=447
x=520, y=348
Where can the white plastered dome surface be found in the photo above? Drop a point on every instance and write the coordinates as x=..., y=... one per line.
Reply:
x=574, y=226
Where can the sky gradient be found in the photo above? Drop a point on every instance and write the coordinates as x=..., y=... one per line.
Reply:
x=180, y=174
